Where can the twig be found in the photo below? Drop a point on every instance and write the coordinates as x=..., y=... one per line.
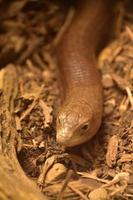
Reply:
x=27, y=112
x=130, y=96
x=67, y=179
x=77, y=192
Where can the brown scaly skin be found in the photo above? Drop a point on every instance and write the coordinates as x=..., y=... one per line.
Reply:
x=80, y=114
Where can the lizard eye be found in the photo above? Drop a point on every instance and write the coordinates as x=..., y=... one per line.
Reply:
x=85, y=127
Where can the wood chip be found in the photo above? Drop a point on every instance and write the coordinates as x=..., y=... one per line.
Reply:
x=126, y=158
x=57, y=170
x=47, y=110
x=2, y=71
x=120, y=82
x=18, y=123
x=112, y=151
x=98, y=194
x=107, y=81
x=129, y=32
x=122, y=177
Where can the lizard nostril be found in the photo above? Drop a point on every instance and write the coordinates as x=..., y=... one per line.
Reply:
x=61, y=138
x=64, y=136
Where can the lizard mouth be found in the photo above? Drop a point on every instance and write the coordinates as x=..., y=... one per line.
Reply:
x=71, y=139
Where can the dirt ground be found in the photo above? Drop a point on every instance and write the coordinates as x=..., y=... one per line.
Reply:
x=102, y=168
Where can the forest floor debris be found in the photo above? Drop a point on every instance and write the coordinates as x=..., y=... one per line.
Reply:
x=104, y=166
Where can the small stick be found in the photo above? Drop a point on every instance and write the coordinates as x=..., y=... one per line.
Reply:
x=130, y=96
x=77, y=192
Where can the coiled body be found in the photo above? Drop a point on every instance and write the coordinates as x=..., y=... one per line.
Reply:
x=80, y=115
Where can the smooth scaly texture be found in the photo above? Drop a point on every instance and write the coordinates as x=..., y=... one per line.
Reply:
x=80, y=115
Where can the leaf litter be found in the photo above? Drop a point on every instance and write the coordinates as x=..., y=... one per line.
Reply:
x=103, y=167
